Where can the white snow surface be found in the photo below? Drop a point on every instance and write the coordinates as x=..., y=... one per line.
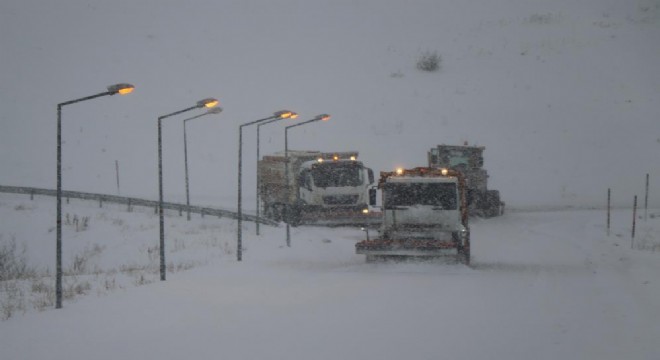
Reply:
x=542, y=285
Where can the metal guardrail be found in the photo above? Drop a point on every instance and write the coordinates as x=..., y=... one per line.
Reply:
x=130, y=201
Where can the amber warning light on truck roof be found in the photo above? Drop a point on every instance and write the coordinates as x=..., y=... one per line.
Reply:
x=337, y=156
x=423, y=171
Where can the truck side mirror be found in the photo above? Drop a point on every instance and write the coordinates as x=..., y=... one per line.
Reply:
x=372, y=196
x=370, y=173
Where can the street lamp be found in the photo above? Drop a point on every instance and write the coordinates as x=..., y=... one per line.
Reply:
x=323, y=117
x=112, y=89
x=282, y=114
x=293, y=116
x=208, y=103
x=215, y=110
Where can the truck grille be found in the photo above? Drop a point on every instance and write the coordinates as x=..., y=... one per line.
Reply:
x=340, y=199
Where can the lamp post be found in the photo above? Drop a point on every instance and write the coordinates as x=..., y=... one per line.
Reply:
x=215, y=110
x=209, y=103
x=282, y=114
x=323, y=117
x=293, y=116
x=112, y=89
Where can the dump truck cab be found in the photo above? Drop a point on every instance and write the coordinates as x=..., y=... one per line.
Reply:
x=321, y=188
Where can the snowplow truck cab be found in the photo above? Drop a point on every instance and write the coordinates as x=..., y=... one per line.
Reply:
x=469, y=160
x=424, y=215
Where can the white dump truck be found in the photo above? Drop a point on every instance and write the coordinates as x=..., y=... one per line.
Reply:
x=324, y=188
x=424, y=215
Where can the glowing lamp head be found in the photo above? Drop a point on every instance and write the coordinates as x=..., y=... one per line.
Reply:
x=335, y=158
x=322, y=117
x=320, y=159
x=285, y=114
x=444, y=172
x=208, y=103
x=353, y=158
x=399, y=171
x=121, y=89
x=365, y=211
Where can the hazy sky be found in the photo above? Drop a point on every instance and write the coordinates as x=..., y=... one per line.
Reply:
x=563, y=94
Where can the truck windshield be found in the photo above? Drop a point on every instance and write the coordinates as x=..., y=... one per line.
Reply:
x=458, y=158
x=435, y=194
x=337, y=175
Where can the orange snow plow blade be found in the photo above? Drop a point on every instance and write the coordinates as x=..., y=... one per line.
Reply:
x=411, y=248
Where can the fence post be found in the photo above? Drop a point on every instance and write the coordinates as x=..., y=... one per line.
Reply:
x=117, y=172
x=100, y=202
x=609, y=196
x=32, y=195
x=632, y=240
x=129, y=205
x=646, y=197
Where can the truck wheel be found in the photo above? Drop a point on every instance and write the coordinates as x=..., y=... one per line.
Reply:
x=492, y=203
x=274, y=212
x=463, y=256
x=294, y=215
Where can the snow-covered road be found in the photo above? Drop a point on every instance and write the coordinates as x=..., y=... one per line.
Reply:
x=544, y=285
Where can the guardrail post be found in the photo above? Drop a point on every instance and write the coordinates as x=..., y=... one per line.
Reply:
x=180, y=211
x=100, y=202
x=31, y=195
x=202, y=212
x=129, y=205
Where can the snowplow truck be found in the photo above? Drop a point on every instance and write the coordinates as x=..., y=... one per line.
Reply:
x=323, y=188
x=469, y=161
x=424, y=215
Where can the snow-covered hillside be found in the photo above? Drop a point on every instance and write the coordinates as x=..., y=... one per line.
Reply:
x=544, y=285
x=562, y=93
